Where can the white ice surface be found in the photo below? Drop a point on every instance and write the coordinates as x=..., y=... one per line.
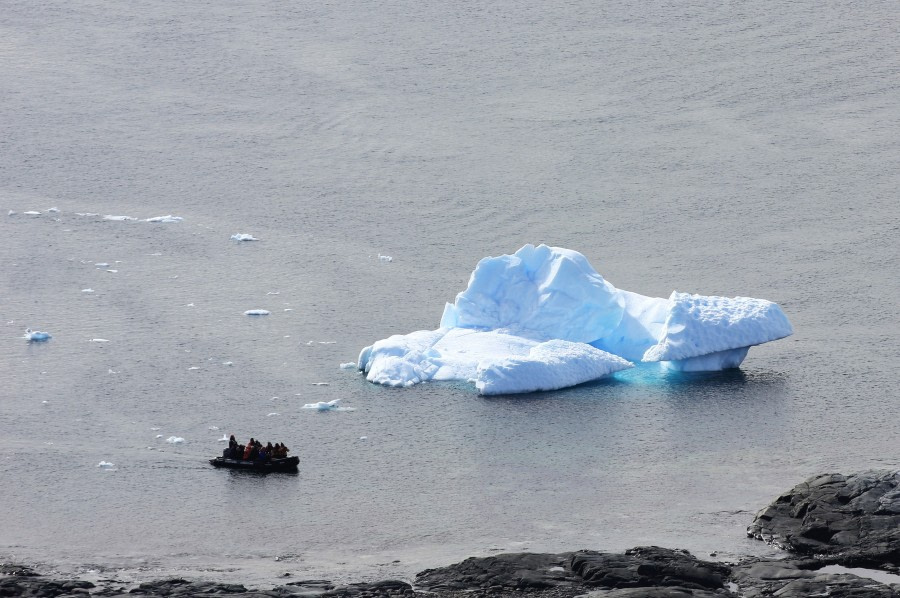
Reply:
x=328, y=406
x=36, y=335
x=168, y=218
x=698, y=325
x=256, y=312
x=175, y=440
x=493, y=333
x=243, y=237
x=118, y=218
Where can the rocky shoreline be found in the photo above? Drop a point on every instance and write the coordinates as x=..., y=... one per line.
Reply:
x=829, y=519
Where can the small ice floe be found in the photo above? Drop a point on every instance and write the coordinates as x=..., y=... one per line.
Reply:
x=113, y=271
x=227, y=363
x=87, y=290
x=154, y=429
x=175, y=440
x=36, y=336
x=156, y=254
x=102, y=265
x=32, y=213
x=348, y=366
x=288, y=309
x=118, y=218
x=327, y=342
x=320, y=383
x=52, y=210
x=168, y=218
x=111, y=371
x=243, y=237
x=273, y=293
x=86, y=214
x=193, y=368
x=256, y=312
x=328, y=406
x=224, y=438
x=105, y=465
x=11, y=213
x=159, y=435
x=45, y=402
x=272, y=414
x=385, y=258
x=213, y=428
x=98, y=340
x=363, y=437
x=310, y=343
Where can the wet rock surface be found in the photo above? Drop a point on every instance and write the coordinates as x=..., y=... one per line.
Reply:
x=853, y=520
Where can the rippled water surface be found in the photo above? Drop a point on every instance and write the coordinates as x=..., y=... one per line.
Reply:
x=701, y=147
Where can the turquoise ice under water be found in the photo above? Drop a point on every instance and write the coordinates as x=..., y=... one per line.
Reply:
x=676, y=147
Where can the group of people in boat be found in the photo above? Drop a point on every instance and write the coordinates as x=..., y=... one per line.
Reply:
x=255, y=450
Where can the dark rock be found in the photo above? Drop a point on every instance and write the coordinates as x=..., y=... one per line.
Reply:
x=791, y=579
x=16, y=570
x=523, y=571
x=648, y=566
x=853, y=520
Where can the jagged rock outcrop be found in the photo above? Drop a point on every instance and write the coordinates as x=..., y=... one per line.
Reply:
x=853, y=520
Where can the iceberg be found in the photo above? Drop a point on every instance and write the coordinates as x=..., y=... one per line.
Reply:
x=544, y=319
x=36, y=336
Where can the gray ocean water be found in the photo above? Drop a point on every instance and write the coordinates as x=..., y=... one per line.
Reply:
x=717, y=148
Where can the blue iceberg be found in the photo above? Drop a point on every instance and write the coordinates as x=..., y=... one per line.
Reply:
x=544, y=319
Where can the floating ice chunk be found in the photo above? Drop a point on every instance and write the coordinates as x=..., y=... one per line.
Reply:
x=10, y=213
x=111, y=371
x=112, y=271
x=175, y=440
x=385, y=258
x=32, y=213
x=118, y=218
x=224, y=438
x=548, y=366
x=256, y=312
x=363, y=437
x=193, y=367
x=98, y=340
x=328, y=406
x=101, y=265
x=105, y=465
x=722, y=328
x=36, y=336
x=515, y=302
x=87, y=290
x=288, y=309
x=86, y=214
x=243, y=237
x=319, y=383
x=273, y=293
x=214, y=428
x=168, y=218
x=159, y=435
x=349, y=365
x=227, y=363
x=327, y=342
x=154, y=429
x=52, y=210
x=272, y=414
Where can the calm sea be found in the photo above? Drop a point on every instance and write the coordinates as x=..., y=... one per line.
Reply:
x=717, y=148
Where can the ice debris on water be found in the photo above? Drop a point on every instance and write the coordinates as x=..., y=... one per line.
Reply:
x=101, y=265
x=256, y=312
x=87, y=290
x=36, y=335
x=11, y=213
x=159, y=435
x=349, y=365
x=227, y=363
x=319, y=383
x=168, y=218
x=243, y=237
x=98, y=340
x=32, y=213
x=224, y=438
x=272, y=414
x=175, y=440
x=214, y=428
x=118, y=218
x=105, y=465
x=385, y=258
x=52, y=210
x=328, y=406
